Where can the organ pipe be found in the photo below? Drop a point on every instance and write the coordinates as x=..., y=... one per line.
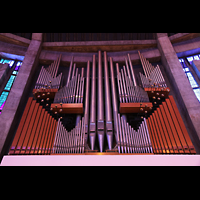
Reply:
x=108, y=112
x=161, y=129
x=100, y=105
x=92, y=134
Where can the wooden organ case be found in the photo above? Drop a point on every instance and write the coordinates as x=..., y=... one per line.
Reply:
x=101, y=99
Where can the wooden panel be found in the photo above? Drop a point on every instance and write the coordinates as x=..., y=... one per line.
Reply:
x=33, y=135
x=182, y=125
x=175, y=134
x=135, y=107
x=157, y=92
x=40, y=133
x=167, y=124
x=161, y=120
x=155, y=131
x=72, y=108
x=25, y=128
x=161, y=133
x=43, y=134
x=44, y=93
x=177, y=126
x=33, y=148
x=20, y=127
x=46, y=133
x=29, y=131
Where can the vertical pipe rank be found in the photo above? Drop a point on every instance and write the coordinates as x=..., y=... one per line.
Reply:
x=93, y=106
x=109, y=129
x=114, y=103
x=100, y=106
x=70, y=70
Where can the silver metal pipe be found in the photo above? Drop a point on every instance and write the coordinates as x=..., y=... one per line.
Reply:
x=133, y=140
x=108, y=112
x=87, y=92
x=121, y=88
x=77, y=89
x=114, y=104
x=128, y=138
x=73, y=72
x=100, y=105
x=142, y=62
x=145, y=138
x=140, y=140
x=92, y=134
x=124, y=86
x=120, y=133
x=127, y=68
x=132, y=71
x=82, y=90
x=100, y=111
x=70, y=70
x=74, y=89
x=123, y=133
x=59, y=59
x=70, y=89
x=148, y=137
x=82, y=135
x=131, y=136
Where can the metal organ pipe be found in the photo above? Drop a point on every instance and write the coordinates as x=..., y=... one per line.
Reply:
x=70, y=70
x=100, y=106
x=109, y=129
x=87, y=92
x=100, y=115
x=93, y=106
x=132, y=71
x=114, y=103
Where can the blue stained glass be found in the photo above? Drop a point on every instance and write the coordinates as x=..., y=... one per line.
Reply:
x=192, y=81
x=15, y=72
x=3, y=97
x=197, y=93
x=10, y=82
x=196, y=57
x=11, y=63
x=186, y=69
x=181, y=60
x=1, y=61
x=18, y=65
x=190, y=59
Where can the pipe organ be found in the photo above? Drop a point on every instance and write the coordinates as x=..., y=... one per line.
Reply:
x=103, y=101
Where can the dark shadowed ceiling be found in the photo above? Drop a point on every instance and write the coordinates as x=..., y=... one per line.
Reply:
x=68, y=37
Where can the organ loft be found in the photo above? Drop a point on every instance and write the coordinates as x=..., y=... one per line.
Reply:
x=99, y=94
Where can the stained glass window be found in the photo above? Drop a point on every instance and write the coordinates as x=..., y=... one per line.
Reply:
x=10, y=82
x=10, y=62
x=189, y=75
x=4, y=94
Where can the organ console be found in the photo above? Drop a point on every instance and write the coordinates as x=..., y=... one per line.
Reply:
x=102, y=101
